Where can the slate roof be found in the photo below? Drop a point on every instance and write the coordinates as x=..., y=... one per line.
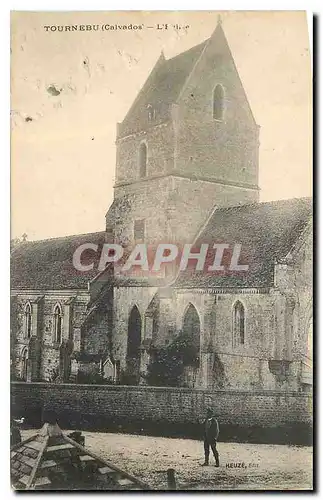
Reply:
x=49, y=460
x=48, y=264
x=266, y=232
x=161, y=89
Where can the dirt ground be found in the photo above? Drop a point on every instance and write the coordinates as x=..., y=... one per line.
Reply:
x=242, y=466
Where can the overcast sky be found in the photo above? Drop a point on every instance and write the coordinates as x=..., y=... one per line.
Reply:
x=63, y=151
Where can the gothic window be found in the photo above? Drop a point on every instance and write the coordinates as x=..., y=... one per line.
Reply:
x=143, y=160
x=239, y=324
x=28, y=320
x=139, y=230
x=24, y=364
x=151, y=113
x=58, y=324
x=218, y=103
x=133, y=346
x=191, y=331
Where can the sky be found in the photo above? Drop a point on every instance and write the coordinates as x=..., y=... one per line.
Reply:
x=69, y=89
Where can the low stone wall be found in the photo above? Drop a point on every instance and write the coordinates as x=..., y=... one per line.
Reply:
x=260, y=416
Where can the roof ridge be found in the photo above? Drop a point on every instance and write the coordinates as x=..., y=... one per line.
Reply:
x=261, y=203
x=61, y=237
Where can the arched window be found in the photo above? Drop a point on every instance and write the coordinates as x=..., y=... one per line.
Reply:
x=133, y=346
x=28, y=320
x=151, y=113
x=24, y=364
x=191, y=331
x=218, y=103
x=239, y=324
x=142, y=160
x=58, y=323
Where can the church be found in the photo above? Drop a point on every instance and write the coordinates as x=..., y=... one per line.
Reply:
x=187, y=165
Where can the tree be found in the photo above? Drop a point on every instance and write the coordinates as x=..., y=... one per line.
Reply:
x=167, y=363
x=16, y=241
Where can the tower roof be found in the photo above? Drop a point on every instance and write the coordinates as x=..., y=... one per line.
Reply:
x=49, y=460
x=162, y=87
x=166, y=81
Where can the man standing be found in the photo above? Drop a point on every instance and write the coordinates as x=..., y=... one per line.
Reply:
x=211, y=433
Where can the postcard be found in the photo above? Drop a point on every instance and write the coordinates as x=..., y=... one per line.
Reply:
x=161, y=251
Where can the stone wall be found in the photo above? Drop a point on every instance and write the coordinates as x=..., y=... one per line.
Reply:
x=294, y=279
x=160, y=153
x=146, y=199
x=72, y=304
x=222, y=149
x=96, y=406
x=47, y=358
x=191, y=201
x=244, y=366
x=125, y=298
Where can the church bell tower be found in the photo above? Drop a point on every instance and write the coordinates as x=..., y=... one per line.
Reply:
x=188, y=144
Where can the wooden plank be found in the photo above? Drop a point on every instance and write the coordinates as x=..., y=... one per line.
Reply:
x=29, y=461
x=86, y=458
x=103, y=461
x=124, y=481
x=19, y=445
x=41, y=481
x=25, y=469
x=47, y=464
x=24, y=480
x=29, y=452
x=65, y=446
x=106, y=470
x=38, y=460
x=35, y=445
